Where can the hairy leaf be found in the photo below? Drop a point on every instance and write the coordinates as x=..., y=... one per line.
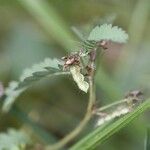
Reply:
x=11, y=94
x=108, y=32
x=41, y=68
x=98, y=136
x=88, y=45
x=49, y=67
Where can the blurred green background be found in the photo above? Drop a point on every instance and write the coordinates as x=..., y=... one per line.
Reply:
x=31, y=30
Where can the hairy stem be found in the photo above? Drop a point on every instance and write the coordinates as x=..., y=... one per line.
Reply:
x=81, y=125
x=86, y=118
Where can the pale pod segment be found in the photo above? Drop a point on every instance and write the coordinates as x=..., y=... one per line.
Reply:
x=117, y=113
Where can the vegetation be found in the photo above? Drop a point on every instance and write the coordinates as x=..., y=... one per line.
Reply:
x=71, y=99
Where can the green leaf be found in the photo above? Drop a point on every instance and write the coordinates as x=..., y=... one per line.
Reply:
x=98, y=136
x=13, y=140
x=49, y=67
x=40, y=69
x=10, y=95
x=88, y=45
x=108, y=32
x=147, y=140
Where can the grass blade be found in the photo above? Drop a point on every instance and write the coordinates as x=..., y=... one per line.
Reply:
x=147, y=140
x=98, y=136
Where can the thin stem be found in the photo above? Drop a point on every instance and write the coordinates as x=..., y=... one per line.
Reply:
x=81, y=125
x=111, y=105
x=87, y=116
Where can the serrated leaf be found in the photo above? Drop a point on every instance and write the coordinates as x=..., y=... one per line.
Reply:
x=79, y=78
x=108, y=32
x=10, y=95
x=22, y=85
x=40, y=73
x=35, y=76
x=51, y=69
x=99, y=135
x=88, y=45
x=13, y=140
x=41, y=67
x=30, y=75
x=31, y=79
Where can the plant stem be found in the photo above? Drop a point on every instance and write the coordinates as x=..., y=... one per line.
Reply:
x=81, y=125
x=86, y=118
x=111, y=105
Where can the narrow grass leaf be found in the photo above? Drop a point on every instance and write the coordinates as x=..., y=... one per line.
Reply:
x=147, y=140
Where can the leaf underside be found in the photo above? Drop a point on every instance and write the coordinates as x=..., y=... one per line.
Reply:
x=36, y=76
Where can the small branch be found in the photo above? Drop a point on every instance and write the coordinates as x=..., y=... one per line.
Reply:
x=87, y=116
x=81, y=125
x=111, y=105
x=131, y=99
